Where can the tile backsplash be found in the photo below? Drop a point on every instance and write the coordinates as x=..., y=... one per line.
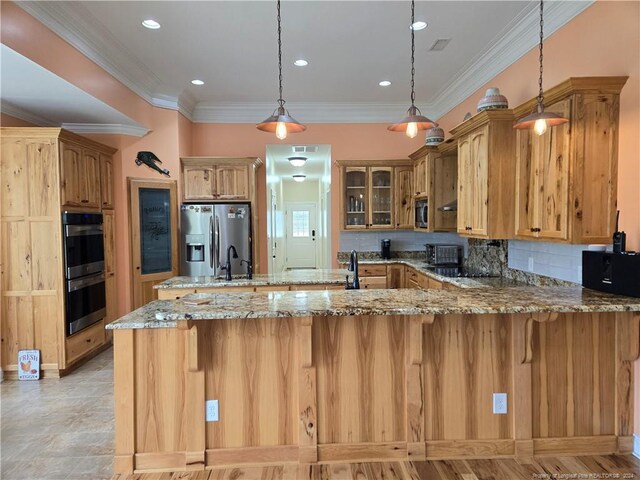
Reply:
x=555, y=260
x=400, y=240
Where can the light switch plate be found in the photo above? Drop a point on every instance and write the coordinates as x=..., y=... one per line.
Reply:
x=211, y=407
x=500, y=403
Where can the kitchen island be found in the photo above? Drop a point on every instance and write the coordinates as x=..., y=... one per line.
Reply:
x=322, y=376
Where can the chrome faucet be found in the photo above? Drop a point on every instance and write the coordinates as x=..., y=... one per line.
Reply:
x=353, y=267
x=227, y=266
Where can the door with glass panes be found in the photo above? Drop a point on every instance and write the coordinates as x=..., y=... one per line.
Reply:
x=301, y=231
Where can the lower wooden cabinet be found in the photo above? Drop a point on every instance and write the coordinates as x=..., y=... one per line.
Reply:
x=395, y=276
x=84, y=341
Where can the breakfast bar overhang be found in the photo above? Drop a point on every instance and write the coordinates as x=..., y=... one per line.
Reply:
x=328, y=376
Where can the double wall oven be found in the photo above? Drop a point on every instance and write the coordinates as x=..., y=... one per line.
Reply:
x=85, y=298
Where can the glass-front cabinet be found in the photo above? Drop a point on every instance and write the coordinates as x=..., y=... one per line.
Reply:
x=368, y=201
x=356, y=202
x=381, y=197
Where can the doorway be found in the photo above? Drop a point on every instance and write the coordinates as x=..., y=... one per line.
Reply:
x=298, y=196
x=301, y=228
x=154, y=236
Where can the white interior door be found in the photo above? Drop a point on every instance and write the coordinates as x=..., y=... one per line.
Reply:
x=301, y=230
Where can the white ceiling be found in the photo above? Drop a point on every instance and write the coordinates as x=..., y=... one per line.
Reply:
x=351, y=46
x=316, y=167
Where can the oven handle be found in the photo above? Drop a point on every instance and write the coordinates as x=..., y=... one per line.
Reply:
x=79, y=283
x=83, y=230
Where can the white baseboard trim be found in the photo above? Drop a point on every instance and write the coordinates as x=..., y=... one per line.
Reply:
x=636, y=445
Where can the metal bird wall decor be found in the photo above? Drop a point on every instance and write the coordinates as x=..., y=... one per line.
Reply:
x=150, y=159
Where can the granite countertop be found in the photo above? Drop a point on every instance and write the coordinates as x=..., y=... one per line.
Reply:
x=166, y=313
x=290, y=277
x=460, y=282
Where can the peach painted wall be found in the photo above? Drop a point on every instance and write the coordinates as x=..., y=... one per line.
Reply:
x=9, y=121
x=604, y=40
x=348, y=142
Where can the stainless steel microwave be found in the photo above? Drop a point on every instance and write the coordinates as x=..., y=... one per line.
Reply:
x=422, y=213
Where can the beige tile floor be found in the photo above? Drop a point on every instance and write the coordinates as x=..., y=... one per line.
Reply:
x=59, y=429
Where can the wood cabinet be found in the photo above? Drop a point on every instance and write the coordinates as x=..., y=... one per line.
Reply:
x=216, y=178
x=106, y=181
x=80, y=175
x=435, y=176
x=486, y=183
x=109, y=233
x=395, y=276
x=376, y=196
x=567, y=177
x=44, y=171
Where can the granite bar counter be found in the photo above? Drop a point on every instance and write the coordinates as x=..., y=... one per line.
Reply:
x=394, y=375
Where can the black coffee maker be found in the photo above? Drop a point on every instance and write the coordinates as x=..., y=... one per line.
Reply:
x=385, y=248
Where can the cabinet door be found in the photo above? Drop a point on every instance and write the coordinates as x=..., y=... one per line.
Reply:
x=90, y=186
x=526, y=184
x=199, y=183
x=464, y=185
x=420, y=177
x=232, y=182
x=479, y=179
x=109, y=234
x=71, y=180
x=106, y=181
x=395, y=276
x=403, y=193
x=355, y=201
x=381, y=197
x=111, y=296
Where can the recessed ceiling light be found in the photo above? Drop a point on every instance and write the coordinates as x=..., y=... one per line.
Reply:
x=152, y=24
x=299, y=178
x=384, y=83
x=297, y=161
x=197, y=82
x=301, y=63
x=419, y=25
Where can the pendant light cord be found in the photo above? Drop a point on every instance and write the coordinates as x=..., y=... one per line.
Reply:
x=540, y=94
x=413, y=54
x=280, y=100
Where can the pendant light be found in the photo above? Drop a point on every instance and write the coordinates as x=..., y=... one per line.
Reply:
x=414, y=120
x=280, y=121
x=297, y=161
x=540, y=119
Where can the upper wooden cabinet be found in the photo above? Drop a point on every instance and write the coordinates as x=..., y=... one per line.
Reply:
x=567, y=177
x=435, y=171
x=216, y=178
x=106, y=181
x=80, y=174
x=375, y=195
x=486, y=180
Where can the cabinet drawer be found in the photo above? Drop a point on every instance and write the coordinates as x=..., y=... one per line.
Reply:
x=84, y=341
x=173, y=293
x=373, y=282
x=372, y=270
x=412, y=284
x=434, y=283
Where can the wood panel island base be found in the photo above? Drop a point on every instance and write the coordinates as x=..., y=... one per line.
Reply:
x=341, y=376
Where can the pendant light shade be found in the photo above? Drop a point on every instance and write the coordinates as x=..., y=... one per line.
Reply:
x=540, y=120
x=297, y=161
x=414, y=119
x=280, y=121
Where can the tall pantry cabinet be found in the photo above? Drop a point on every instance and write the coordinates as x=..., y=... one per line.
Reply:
x=45, y=171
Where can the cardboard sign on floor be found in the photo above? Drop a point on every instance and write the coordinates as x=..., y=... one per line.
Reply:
x=29, y=365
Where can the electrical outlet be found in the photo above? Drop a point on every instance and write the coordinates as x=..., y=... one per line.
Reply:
x=211, y=414
x=530, y=266
x=500, y=403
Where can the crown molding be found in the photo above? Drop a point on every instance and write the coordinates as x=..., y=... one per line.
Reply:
x=78, y=27
x=306, y=112
x=111, y=129
x=17, y=112
x=512, y=43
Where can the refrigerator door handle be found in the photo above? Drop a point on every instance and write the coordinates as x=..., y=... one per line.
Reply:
x=217, y=234
x=211, y=241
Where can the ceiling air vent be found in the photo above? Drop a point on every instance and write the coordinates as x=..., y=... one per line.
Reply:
x=439, y=44
x=305, y=148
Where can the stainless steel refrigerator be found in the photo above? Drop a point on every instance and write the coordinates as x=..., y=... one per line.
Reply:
x=207, y=231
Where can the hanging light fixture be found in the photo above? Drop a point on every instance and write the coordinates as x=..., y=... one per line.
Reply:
x=540, y=119
x=414, y=120
x=297, y=161
x=280, y=121
x=299, y=178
